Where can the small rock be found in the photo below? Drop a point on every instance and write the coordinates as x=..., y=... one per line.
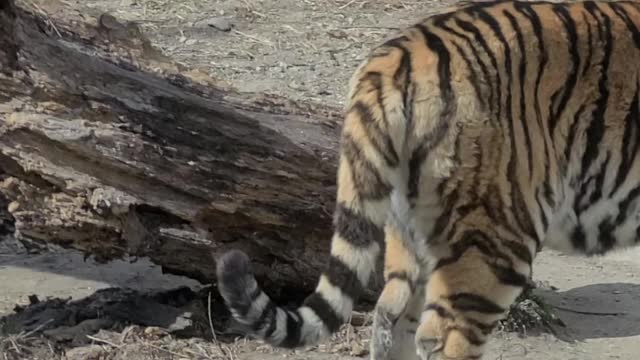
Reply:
x=357, y=349
x=110, y=22
x=155, y=332
x=13, y=206
x=337, y=34
x=218, y=22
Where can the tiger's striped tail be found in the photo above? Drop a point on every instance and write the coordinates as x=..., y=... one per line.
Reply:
x=369, y=169
x=355, y=248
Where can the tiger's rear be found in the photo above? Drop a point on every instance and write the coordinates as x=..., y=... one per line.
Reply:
x=471, y=140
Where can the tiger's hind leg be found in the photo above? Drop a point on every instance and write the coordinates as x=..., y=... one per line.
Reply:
x=402, y=298
x=468, y=292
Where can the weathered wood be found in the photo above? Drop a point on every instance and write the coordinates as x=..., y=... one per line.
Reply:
x=107, y=147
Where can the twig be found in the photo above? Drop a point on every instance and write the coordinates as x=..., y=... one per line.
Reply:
x=347, y=4
x=371, y=27
x=181, y=355
x=97, y=339
x=15, y=345
x=213, y=332
x=293, y=29
x=589, y=312
x=38, y=328
x=254, y=38
x=47, y=18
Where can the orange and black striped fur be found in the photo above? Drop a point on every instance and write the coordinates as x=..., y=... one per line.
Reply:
x=471, y=140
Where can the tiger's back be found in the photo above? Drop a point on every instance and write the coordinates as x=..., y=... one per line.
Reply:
x=471, y=140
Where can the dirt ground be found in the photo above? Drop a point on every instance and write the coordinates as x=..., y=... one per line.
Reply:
x=305, y=50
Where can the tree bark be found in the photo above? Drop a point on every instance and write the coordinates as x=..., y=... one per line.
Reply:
x=107, y=147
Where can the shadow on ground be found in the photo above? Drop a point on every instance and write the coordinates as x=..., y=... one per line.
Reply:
x=609, y=310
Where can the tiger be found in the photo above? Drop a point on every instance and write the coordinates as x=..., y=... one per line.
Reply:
x=470, y=140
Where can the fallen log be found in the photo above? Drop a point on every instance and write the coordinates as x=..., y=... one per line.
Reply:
x=109, y=148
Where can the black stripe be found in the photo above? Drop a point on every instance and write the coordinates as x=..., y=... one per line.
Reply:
x=495, y=27
x=396, y=42
x=622, y=14
x=480, y=39
x=596, y=194
x=630, y=141
x=521, y=210
x=367, y=180
x=606, y=239
x=522, y=77
x=531, y=14
x=355, y=228
x=506, y=274
x=325, y=312
x=468, y=334
x=441, y=222
x=496, y=208
x=473, y=194
x=589, y=57
x=432, y=139
x=379, y=137
x=402, y=78
x=470, y=238
x=570, y=84
x=474, y=302
x=267, y=317
x=481, y=63
x=519, y=250
x=571, y=139
x=341, y=276
x=411, y=319
x=579, y=203
x=479, y=240
x=473, y=77
x=441, y=311
x=294, y=327
x=624, y=205
x=547, y=190
x=486, y=329
x=402, y=276
x=519, y=206
x=595, y=130
x=543, y=214
x=578, y=238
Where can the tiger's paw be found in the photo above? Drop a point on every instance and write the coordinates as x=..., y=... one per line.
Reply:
x=381, y=335
x=426, y=348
